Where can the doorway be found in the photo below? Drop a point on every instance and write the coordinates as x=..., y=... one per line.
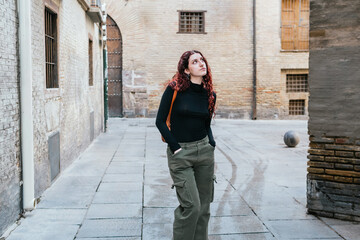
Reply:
x=114, y=46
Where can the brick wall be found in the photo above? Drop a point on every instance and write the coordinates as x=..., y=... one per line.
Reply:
x=334, y=127
x=152, y=48
x=65, y=109
x=334, y=177
x=9, y=120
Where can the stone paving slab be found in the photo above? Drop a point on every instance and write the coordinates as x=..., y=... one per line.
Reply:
x=45, y=231
x=98, y=211
x=120, y=197
x=111, y=238
x=246, y=236
x=122, y=177
x=300, y=229
x=110, y=228
x=236, y=224
x=120, y=186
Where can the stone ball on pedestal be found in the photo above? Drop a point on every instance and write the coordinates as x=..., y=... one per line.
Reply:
x=291, y=138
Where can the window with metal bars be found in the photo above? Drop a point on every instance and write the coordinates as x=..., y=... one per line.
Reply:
x=295, y=25
x=91, y=73
x=191, y=22
x=51, y=49
x=297, y=83
x=297, y=107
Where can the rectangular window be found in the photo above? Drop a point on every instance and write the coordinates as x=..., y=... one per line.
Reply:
x=297, y=107
x=295, y=25
x=191, y=22
x=91, y=75
x=297, y=83
x=51, y=49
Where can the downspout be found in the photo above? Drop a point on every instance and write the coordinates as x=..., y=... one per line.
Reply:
x=105, y=65
x=26, y=116
x=106, y=115
x=254, y=113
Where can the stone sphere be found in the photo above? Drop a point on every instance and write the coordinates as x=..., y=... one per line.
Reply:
x=291, y=138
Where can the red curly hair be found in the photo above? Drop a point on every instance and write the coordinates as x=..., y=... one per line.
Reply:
x=181, y=81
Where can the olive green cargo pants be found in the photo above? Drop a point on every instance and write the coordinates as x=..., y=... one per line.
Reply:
x=192, y=170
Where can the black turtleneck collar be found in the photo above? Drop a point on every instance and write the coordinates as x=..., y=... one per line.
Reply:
x=196, y=87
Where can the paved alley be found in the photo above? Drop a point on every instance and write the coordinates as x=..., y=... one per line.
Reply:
x=120, y=188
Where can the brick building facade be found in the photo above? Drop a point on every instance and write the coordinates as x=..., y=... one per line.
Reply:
x=152, y=45
x=334, y=156
x=9, y=121
x=67, y=115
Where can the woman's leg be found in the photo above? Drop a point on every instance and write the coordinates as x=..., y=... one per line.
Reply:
x=187, y=213
x=204, y=174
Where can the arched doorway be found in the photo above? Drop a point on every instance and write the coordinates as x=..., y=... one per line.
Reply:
x=114, y=46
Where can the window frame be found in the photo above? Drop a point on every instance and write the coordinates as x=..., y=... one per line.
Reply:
x=53, y=9
x=296, y=110
x=297, y=15
x=91, y=60
x=191, y=11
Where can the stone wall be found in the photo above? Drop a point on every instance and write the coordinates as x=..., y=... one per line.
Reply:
x=152, y=47
x=9, y=121
x=334, y=127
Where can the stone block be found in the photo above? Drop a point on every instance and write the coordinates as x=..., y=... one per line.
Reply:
x=344, y=154
x=316, y=145
x=343, y=179
x=357, y=154
x=321, y=139
x=342, y=160
x=342, y=147
x=315, y=170
x=321, y=152
x=344, y=166
x=320, y=164
x=316, y=157
x=320, y=177
x=342, y=173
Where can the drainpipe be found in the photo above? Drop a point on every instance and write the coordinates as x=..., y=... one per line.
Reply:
x=26, y=116
x=253, y=117
x=105, y=65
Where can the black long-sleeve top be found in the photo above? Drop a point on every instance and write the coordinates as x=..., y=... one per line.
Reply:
x=190, y=117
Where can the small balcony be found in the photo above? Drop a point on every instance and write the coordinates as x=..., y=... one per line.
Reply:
x=94, y=11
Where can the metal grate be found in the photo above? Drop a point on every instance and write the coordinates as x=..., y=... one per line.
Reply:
x=51, y=49
x=91, y=72
x=297, y=107
x=191, y=22
x=295, y=25
x=297, y=83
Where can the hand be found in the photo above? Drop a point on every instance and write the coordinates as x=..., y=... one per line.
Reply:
x=178, y=150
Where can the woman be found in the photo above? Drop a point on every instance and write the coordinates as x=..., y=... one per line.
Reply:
x=191, y=144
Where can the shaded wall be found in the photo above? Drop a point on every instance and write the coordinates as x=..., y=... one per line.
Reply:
x=9, y=116
x=334, y=109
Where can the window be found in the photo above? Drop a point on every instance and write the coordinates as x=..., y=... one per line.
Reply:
x=51, y=49
x=297, y=83
x=191, y=22
x=295, y=25
x=91, y=75
x=297, y=107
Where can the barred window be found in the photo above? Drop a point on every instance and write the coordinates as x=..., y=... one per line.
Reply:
x=297, y=107
x=91, y=73
x=295, y=25
x=297, y=83
x=51, y=49
x=191, y=22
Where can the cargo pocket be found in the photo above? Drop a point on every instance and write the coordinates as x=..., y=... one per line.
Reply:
x=182, y=193
x=213, y=188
